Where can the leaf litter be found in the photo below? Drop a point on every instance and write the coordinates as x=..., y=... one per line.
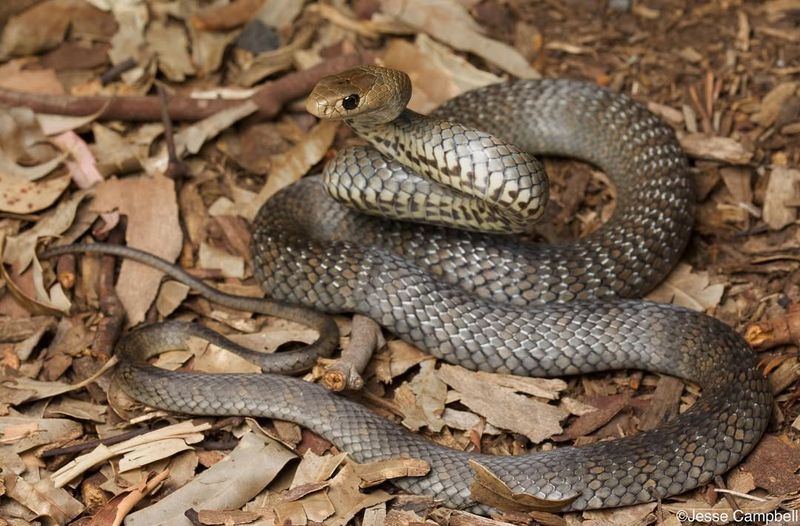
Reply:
x=737, y=114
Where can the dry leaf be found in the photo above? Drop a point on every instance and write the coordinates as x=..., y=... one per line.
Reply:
x=26, y=433
x=151, y=206
x=150, y=452
x=37, y=29
x=43, y=498
x=501, y=406
x=290, y=166
x=689, y=289
x=18, y=196
x=215, y=258
x=169, y=43
x=610, y=406
x=396, y=358
x=346, y=496
x=83, y=168
x=253, y=464
x=44, y=81
x=21, y=250
x=170, y=296
x=489, y=489
x=101, y=453
x=774, y=464
x=459, y=31
x=189, y=140
x=375, y=473
x=432, y=84
x=425, y=405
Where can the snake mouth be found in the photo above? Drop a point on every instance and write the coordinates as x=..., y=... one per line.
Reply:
x=322, y=109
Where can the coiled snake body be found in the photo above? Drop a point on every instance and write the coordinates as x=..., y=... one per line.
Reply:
x=493, y=303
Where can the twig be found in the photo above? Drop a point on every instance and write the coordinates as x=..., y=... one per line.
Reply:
x=65, y=270
x=115, y=72
x=725, y=495
x=175, y=167
x=91, y=444
x=345, y=373
x=270, y=98
x=109, y=328
x=777, y=331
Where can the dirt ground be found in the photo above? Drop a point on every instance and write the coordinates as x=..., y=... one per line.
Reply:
x=86, y=152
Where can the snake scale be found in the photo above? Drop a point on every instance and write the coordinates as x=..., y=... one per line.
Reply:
x=487, y=302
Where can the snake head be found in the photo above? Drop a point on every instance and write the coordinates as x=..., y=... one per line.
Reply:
x=366, y=94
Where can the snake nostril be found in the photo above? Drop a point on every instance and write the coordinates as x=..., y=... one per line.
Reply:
x=350, y=102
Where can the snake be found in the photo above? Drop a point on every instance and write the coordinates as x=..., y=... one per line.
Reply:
x=459, y=277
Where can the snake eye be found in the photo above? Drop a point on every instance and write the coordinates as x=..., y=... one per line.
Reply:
x=350, y=102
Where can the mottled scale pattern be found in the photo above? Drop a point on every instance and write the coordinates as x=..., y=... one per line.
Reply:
x=455, y=176
x=498, y=303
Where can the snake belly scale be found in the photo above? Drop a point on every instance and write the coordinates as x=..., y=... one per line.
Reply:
x=492, y=302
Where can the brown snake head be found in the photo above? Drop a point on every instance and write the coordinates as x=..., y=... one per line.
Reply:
x=370, y=94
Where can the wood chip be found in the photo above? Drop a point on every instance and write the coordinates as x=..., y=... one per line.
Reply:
x=715, y=148
x=772, y=103
x=781, y=198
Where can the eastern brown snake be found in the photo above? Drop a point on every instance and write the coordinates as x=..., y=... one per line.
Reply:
x=494, y=303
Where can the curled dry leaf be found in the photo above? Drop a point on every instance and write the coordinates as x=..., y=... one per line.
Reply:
x=83, y=167
x=347, y=498
x=26, y=433
x=689, y=289
x=43, y=303
x=488, y=489
x=43, y=498
x=501, y=406
x=18, y=390
x=22, y=139
x=21, y=250
x=397, y=358
x=375, y=473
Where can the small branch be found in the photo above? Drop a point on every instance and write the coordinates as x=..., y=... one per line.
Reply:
x=176, y=169
x=115, y=72
x=270, y=98
x=110, y=327
x=91, y=444
x=345, y=373
x=777, y=331
x=65, y=271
